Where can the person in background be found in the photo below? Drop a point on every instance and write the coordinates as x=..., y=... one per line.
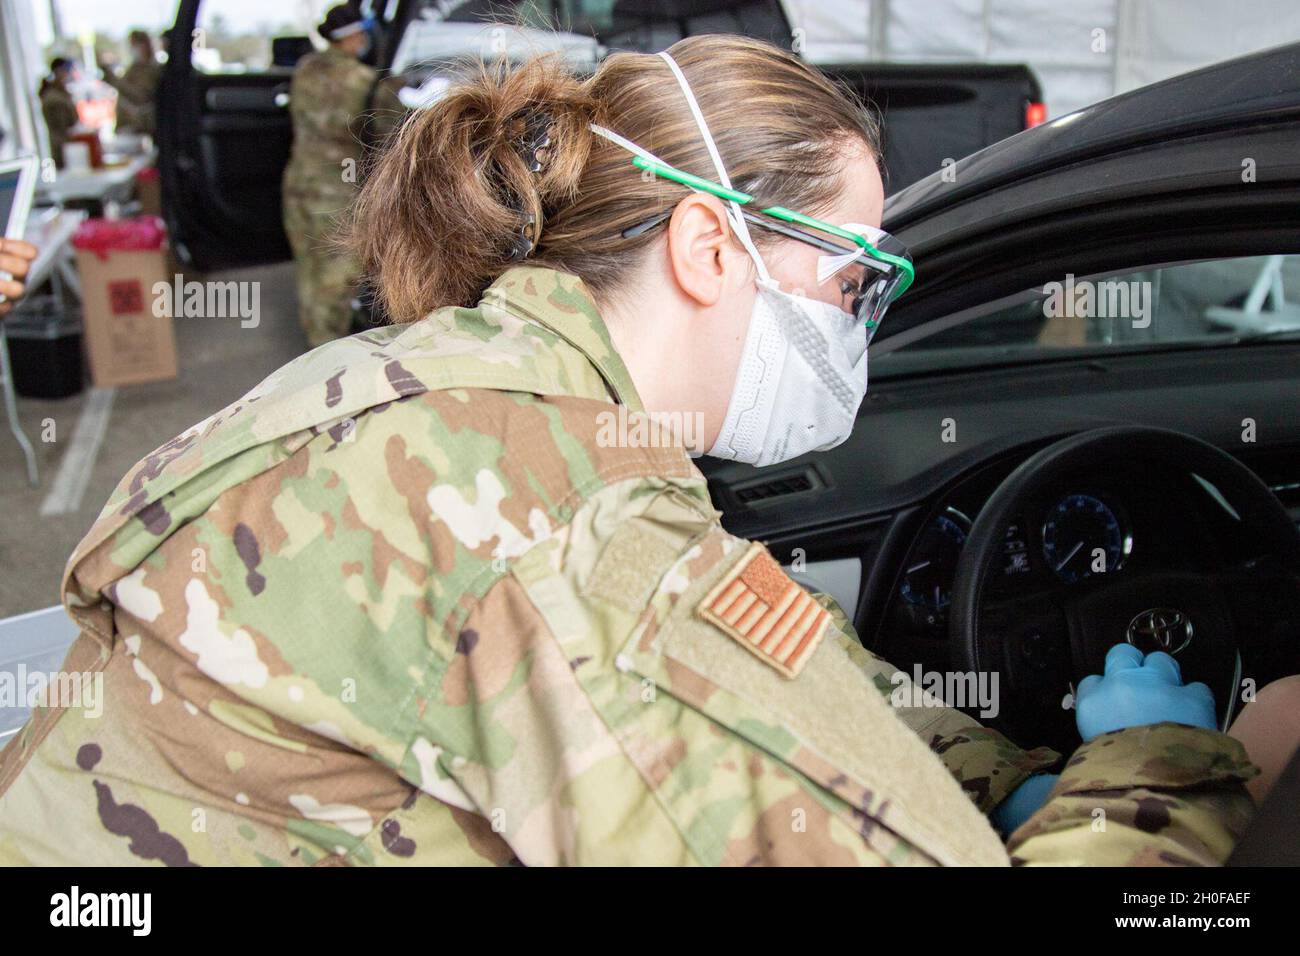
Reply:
x=57, y=106
x=329, y=101
x=137, y=87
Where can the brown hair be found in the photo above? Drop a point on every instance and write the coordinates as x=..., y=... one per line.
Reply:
x=445, y=203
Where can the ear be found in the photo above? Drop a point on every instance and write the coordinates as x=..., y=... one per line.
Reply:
x=699, y=238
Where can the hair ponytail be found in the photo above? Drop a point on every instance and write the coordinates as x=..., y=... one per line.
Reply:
x=464, y=188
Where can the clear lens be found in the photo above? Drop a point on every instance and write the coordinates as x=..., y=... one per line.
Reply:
x=875, y=299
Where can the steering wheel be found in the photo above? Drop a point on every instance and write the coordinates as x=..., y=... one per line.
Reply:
x=1040, y=645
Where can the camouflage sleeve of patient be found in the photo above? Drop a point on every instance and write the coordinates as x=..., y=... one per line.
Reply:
x=1164, y=794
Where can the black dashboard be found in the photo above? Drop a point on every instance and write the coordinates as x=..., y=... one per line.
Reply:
x=898, y=498
x=1109, y=521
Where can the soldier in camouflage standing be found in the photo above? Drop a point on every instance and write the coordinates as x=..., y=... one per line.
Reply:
x=58, y=108
x=328, y=99
x=137, y=87
x=443, y=592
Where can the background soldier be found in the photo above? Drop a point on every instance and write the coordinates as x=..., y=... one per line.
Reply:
x=328, y=100
x=137, y=87
x=57, y=106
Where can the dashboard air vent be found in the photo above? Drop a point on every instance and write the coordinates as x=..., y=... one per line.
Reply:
x=781, y=486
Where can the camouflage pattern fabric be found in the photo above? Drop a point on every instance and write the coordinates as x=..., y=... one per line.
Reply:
x=385, y=113
x=401, y=604
x=1181, y=804
x=137, y=91
x=328, y=99
x=60, y=114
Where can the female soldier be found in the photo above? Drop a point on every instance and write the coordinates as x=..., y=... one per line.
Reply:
x=327, y=101
x=415, y=598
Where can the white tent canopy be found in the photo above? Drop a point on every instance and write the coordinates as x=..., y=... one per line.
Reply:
x=1082, y=51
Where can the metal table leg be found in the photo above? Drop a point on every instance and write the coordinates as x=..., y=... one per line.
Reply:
x=11, y=409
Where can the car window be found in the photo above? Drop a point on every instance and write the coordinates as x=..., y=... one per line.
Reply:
x=236, y=36
x=443, y=29
x=1210, y=302
x=429, y=43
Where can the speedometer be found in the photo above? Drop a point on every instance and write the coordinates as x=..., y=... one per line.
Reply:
x=927, y=580
x=1083, y=536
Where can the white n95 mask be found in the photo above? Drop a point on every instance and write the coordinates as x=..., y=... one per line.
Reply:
x=803, y=371
x=802, y=378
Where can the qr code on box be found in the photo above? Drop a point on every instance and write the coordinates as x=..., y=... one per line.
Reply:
x=126, y=297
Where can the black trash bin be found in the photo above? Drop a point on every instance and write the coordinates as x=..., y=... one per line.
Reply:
x=45, y=349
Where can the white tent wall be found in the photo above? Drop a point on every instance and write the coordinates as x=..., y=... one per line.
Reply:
x=1162, y=38
x=1082, y=50
x=1070, y=46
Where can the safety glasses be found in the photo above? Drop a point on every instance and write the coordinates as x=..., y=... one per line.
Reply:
x=887, y=267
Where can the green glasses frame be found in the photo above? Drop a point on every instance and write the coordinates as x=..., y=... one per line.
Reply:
x=902, y=265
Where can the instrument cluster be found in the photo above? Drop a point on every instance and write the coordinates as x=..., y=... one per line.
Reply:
x=1078, y=534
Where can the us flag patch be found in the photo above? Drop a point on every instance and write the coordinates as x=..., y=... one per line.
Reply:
x=766, y=612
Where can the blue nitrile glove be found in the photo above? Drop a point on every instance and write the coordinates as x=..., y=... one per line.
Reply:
x=1023, y=802
x=1136, y=691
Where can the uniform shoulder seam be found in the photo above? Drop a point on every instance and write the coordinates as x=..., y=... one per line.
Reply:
x=494, y=572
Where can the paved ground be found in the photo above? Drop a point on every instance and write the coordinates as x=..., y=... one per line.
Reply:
x=219, y=362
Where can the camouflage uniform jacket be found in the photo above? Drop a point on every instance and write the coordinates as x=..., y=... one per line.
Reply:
x=137, y=90
x=401, y=604
x=327, y=101
x=59, y=111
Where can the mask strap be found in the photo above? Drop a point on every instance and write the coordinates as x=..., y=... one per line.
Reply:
x=737, y=217
x=827, y=266
x=627, y=144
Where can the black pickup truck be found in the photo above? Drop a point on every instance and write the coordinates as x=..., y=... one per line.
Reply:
x=224, y=138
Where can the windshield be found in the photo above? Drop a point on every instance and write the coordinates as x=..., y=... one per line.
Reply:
x=1215, y=302
x=235, y=37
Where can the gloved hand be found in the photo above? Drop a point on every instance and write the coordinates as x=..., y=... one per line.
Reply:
x=1135, y=692
x=1023, y=802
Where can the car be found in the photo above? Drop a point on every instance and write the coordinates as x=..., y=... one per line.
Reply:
x=1039, y=472
x=224, y=135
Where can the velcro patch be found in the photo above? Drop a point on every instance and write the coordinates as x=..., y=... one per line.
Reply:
x=629, y=567
x=766, y=612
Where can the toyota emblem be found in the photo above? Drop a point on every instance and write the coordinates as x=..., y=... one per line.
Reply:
x=1160, y=629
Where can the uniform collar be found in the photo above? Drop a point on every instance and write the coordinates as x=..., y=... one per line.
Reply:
x=562, y=303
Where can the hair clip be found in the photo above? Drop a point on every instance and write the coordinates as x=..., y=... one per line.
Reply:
x=525, y=240
x=536, y=138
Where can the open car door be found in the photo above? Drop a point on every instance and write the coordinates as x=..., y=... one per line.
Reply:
x=224, y=131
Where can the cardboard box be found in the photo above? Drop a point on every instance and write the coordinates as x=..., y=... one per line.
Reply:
x=148, y=190
x=126, y=342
